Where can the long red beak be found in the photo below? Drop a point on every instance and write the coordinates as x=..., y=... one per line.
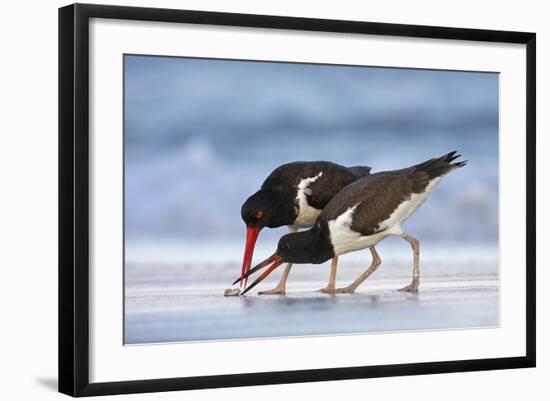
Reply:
x=251, y=236
x=259, y=266
x=277, y=261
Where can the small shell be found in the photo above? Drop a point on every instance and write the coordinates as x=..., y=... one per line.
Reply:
x=231, y=292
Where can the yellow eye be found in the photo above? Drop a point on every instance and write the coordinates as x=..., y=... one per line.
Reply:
x=259, y=214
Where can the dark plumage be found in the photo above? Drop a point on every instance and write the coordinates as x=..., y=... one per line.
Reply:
x=365, y=212
x=380, y=194
x=293, y=195
x=278, y=193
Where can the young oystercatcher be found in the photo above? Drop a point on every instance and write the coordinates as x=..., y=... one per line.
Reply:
x=293, y=195
x=361, y=215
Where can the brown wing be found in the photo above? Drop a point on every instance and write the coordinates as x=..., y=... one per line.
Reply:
x=376, y=197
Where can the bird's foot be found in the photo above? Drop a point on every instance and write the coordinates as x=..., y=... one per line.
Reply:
x=412, y=287
x=345, y=290
x=327, y=290
x=274, y=291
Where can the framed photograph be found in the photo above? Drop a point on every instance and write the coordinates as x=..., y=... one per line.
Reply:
x=251, y=199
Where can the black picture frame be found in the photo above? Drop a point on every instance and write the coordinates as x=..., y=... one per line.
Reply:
x=74, y=198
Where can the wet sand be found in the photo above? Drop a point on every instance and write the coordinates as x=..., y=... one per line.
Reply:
x=173, y=303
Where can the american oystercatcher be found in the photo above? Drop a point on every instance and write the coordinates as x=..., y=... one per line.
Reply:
x=361, y=215
x=292, y=195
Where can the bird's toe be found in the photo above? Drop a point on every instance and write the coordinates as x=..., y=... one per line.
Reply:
x=274, y=291
x=327, y=290
x=345, y=290
x=412, y=287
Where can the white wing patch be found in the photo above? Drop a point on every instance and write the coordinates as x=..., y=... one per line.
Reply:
x=306, y=213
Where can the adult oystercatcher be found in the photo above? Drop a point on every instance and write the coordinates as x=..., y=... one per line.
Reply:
x=361, y=215
x=292, y=195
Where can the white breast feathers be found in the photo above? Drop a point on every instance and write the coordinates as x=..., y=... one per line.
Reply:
x=306, y=214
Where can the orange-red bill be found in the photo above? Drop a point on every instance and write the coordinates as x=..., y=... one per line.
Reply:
x=251, y=237
x=257, y=267
x=277, y=261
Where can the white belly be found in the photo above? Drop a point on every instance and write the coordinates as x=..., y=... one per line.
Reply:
x=345, y=240
x=407, y=208
x=306, y=217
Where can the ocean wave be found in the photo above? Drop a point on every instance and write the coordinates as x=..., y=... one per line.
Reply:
x=202, y=136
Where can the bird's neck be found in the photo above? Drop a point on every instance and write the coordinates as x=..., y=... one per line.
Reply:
x=319, y=247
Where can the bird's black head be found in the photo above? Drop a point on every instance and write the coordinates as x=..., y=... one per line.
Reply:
x=311, y=246
x=267, y=208
x=308, y=246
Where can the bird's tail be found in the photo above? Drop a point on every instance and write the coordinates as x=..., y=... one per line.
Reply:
x=441, y=165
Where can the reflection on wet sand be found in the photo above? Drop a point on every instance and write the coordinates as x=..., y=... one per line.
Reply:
x=204, y=314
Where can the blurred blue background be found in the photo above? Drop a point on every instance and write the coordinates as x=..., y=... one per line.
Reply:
x=202, y=135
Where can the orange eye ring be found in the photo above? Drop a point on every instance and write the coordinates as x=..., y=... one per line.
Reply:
x=260, y=214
